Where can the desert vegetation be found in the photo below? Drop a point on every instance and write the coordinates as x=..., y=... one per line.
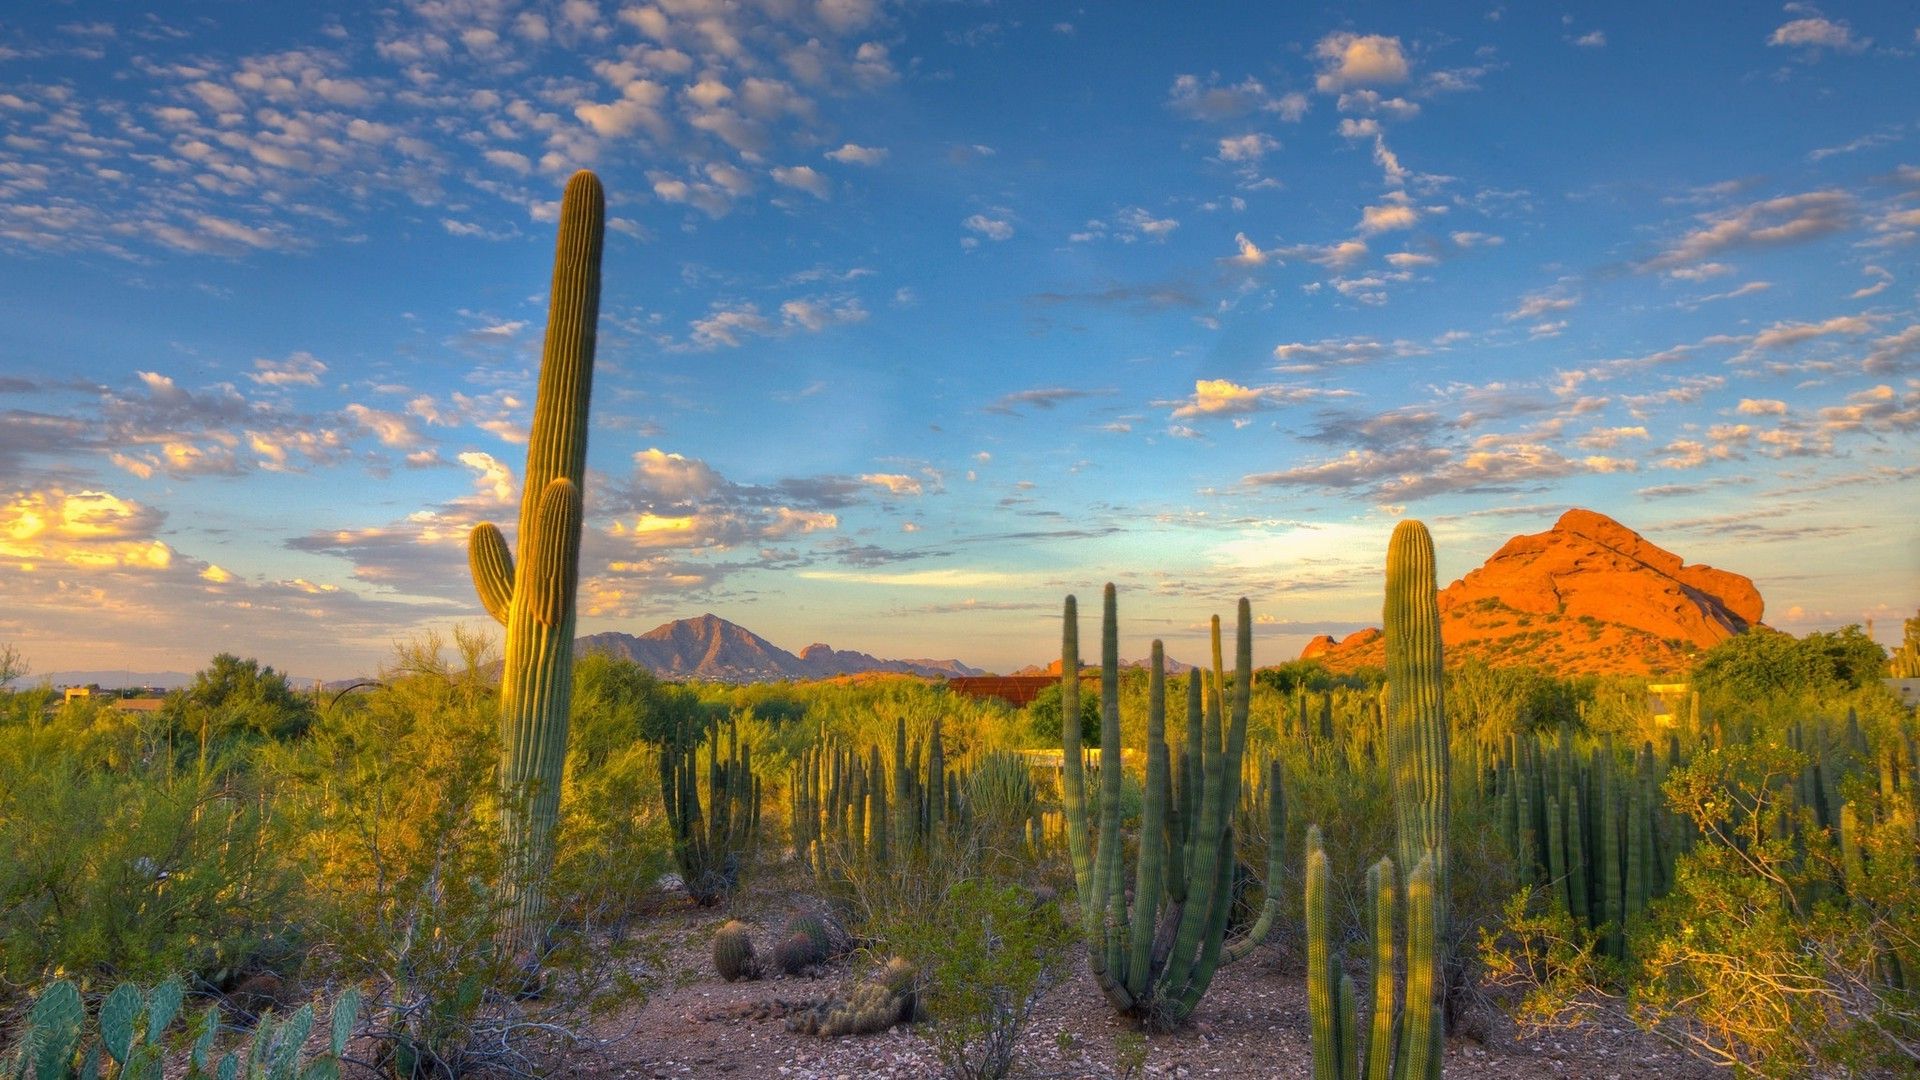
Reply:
x=1742, y=883
x=485, y=863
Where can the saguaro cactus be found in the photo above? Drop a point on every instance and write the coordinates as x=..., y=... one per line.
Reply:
x=533, y=595
x=1155, y=960
x=1417, y=759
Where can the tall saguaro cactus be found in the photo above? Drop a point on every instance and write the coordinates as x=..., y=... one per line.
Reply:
x=1417, y=759
x=533, y=595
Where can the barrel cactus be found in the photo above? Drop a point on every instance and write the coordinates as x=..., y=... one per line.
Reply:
x=733, y=952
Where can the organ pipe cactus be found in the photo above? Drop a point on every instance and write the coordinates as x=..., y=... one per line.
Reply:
x=1341, y=1051
x=533, y=595
x=710, y=844
x=1155, y=959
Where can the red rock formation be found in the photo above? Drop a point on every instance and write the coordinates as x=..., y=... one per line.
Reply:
x=1588, y=595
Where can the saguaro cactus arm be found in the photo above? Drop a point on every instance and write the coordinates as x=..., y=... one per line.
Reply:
x=492, y=566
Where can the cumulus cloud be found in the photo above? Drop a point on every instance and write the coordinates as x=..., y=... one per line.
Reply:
x=855, y=154
x=1215, y=398
x=1818, y=33
x=804, y=178
x=1348, y=59
x=991, y=228
x=1249, y=147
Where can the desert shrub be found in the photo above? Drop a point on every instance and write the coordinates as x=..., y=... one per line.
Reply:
x=397, y=828
x=1043, y=717
x=984, y=951
x=1765, y=663
x=121, y=862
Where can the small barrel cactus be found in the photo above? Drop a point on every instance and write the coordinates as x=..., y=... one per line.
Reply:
x=797, y=952
x=733, y=952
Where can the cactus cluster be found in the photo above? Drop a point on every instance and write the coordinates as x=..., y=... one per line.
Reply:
x=55, y=1043
x=848, y=808
x=1155, y=958
x=710, y=844
x=533, y=595
x=1589, y=827
x=1403, y=1042
x=873, y=1006
x=1403, y=1036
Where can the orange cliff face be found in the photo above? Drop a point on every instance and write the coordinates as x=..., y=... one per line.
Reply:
x=1588, y=596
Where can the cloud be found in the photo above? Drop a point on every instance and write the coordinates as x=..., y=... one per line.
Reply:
x=1878, y=409
x=1894, y=353
x=1761, y=407
x=893, y=483
x=94, y=530
x=730, y=325
x=1210, y=99
x=298, y=369
x=1249, y=147
x=1781, y=335
x=1375, y=219
x=1535, y=305
x=1213, y=398
x=1592, y=39
x=992, y=228
x=1818, y=33
x=804, y=178
x=855, y=154
x=1790, y=219
x=1349, y=59
x=1039, y=398
x=1300, y=357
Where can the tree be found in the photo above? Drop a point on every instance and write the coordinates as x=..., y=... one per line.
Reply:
x=1763, y=662
x=1906, y=659
x=231, y=696
x=1043, y=715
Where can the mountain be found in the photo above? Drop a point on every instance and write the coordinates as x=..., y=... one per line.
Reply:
x=116, y=679
x=714, y=649
x=1588, y=596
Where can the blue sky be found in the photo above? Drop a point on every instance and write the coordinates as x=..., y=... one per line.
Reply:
x=918, y=317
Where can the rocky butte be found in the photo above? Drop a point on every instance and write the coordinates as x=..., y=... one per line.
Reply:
x=1588, y=596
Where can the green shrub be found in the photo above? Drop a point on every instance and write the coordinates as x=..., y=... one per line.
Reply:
x=983, y=951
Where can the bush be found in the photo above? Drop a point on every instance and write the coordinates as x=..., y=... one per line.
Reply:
x=983, y=951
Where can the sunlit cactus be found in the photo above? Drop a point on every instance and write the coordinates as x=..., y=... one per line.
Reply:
x=1155, y=958
x=533, y=595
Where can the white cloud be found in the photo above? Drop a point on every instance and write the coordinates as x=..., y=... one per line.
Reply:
x=855, y=154
x=1375, y=219
x=299, y=369
x=1348, y=59
x=991, y=228
x=1250, y=147
x=804, y=178
x=1818, y=33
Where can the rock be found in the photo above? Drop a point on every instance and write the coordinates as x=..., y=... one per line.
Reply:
x=1321, y=643
x=1587, y=596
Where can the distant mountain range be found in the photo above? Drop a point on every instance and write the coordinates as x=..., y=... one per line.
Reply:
x=116, y=679
x=708, y=648
x=713, y=649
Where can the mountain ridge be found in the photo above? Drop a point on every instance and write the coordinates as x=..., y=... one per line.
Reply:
x=1587, y=596
x=711, y=648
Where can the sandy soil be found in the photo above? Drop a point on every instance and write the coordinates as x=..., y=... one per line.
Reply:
x=1252, y=1023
